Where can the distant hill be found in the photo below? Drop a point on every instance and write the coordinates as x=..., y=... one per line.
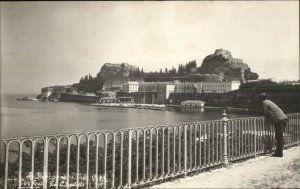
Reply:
x=227, y=67
x=109, y=70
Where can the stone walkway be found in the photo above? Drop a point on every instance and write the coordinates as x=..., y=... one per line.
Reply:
x=262, y=172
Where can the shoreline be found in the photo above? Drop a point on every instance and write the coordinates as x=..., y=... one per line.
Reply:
x=168, y=107
x=158, y=107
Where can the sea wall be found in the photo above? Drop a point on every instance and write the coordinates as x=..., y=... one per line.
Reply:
x=78, y=98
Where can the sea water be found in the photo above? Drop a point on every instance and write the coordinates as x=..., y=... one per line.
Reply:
x=36, y=118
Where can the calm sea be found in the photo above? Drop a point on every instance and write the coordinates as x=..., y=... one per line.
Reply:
x=31, y=118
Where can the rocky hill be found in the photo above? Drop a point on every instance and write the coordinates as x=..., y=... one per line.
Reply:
x=227, y=67
x=109, y=70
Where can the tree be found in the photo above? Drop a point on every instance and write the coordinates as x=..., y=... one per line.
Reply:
x=142, y=72
x=172, y=71
x=122, y=67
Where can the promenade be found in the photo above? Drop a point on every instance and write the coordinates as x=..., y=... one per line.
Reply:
x=262, y=172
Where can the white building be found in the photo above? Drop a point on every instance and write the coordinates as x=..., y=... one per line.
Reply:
x=193, y=103
x=131, y=87
x=217, y=87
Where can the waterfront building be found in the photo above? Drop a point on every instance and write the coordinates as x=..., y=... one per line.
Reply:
x=184, y=88
x=86, y=98
x=148, y=92
x=114, y=84
x=125, y=99
x=216, y=87
x=57, y=90
x=148, y=87
x=89, y=94
x=158, y=92
x=193, y=103
x=107, y=100
x=164, y=90
x=102, y=93
x=130, y=87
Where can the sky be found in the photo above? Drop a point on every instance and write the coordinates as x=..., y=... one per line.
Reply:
x=56, y=43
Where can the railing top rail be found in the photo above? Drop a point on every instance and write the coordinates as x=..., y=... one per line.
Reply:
x=107, y=131
x=293, y=113
x=244, y=118
x=127, y=129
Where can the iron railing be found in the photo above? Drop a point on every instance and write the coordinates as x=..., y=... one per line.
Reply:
x=135, y=157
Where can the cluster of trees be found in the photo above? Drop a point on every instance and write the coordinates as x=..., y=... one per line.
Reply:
x=87, y=77
x=169, y=74
x=89, y=84
x=136, y=73
x=188, y=68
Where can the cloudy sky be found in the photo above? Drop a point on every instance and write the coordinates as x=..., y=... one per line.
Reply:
x=50, y=43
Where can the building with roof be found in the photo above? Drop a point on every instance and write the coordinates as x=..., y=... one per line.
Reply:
x=184, y=88
x=216, y=87
x=131, y=87
x=126, y=99
x=107, y=100
x=193, y=103
x=163, y=91
x=114, y=84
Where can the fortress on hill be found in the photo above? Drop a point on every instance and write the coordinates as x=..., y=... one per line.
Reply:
x=235, y=62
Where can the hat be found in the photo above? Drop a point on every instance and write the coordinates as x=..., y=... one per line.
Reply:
x=262, y=95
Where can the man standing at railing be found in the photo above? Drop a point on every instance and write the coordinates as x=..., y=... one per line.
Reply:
x=274, y=115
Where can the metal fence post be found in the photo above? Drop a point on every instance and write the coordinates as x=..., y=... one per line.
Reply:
x=45, y=163
x=129, y=158
x=255, y=138
x=225, y=123
x=185, y=150
x=68, y=162
x=20, y=165
x=6, y=166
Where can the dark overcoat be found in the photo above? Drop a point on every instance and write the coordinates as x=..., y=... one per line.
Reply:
x=273, y=113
